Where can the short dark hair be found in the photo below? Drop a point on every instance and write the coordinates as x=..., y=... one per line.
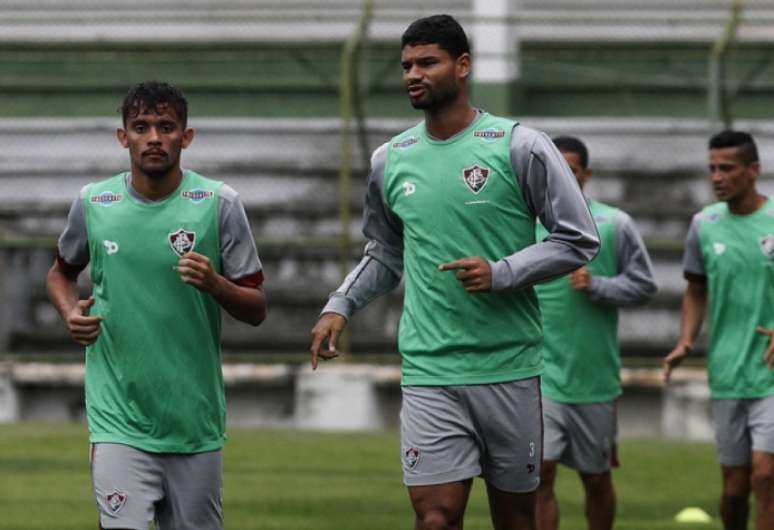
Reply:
x=570, y=144
x=442, y=30
x=747, y=150
x=153, y=96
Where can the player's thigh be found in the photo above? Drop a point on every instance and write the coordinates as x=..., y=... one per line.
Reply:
x=554, y=430
x=592, y=432
x=761, y=424
x=194, y=492
x=509, y=421
x=730, y=418
x=127, y=483
x=438, y=444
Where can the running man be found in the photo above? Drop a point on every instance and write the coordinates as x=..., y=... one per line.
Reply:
x=729, y=266
x=453, y=202
x=168, y=249
x=582, y=360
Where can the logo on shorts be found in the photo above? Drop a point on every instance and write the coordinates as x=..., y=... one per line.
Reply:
x=411, y=457
x=531, y=449
x=182, y=241
x=115, y=500
x=767, y=245
x=530, y=468
x=476, y=177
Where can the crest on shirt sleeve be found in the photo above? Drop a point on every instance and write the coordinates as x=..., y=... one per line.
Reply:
x=476, y=177
x=182, y=241
x=767, y=245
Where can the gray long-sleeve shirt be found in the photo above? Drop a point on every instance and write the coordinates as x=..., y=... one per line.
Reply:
x=550, y=192
x=634, y=282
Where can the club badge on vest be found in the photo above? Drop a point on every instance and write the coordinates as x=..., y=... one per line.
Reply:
x=115, y=501
x=476, y=177
x=182, y=241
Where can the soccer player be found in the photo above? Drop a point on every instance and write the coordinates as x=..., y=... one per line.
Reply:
x=453, y=202
x=729, y=266
x=582, y=361
x=168, y=248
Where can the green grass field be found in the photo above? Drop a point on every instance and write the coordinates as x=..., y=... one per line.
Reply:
x=303, y=480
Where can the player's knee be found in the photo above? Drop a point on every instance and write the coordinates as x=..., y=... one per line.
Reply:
x=438, y=519
x=597, y=483
x=736, y=482
x=762, y=480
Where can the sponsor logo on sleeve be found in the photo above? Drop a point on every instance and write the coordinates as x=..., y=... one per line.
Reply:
x=489, y=135
x=115, y=501
x=476, y=177
x=767, y=246
x=106, y=198
x=405, y=144
x=182, y=241
x=198, y=195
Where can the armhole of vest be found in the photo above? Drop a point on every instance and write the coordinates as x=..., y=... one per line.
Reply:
x=86, y=212
x=387, y=157
x=218, y=189
x=514, y=174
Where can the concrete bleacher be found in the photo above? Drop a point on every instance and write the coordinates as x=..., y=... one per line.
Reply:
x=286, y=173
x=51, y=22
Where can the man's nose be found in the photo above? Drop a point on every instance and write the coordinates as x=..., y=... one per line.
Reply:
x=153, y=136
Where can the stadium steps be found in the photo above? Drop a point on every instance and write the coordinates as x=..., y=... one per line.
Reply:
x=286, y=174
x=110, y=22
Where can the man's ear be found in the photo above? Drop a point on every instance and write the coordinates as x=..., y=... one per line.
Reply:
x=188, y=136
x=122, y=139
x=463, y=65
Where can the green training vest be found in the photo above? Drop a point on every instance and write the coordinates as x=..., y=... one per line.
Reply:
x=458, y=198
x=738, y=254
x=582, y=359
x=153, y=377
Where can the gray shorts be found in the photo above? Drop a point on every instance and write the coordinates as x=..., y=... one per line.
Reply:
x=134, y=487
x=581, y=436
x=453, y=433
x=741, y=427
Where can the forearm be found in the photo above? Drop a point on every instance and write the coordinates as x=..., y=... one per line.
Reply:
x=621, y=290
x=693, y=308
x=62, y=290
x=246, y=304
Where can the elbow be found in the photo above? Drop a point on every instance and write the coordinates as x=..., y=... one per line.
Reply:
x=257, y=317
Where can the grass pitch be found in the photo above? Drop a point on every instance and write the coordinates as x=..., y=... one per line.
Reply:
x=303, y=480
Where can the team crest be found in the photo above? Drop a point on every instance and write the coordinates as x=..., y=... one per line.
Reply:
x=476, y=177
x=182, y=241
x=411, y=457
x=115, y=501
x=767, y=245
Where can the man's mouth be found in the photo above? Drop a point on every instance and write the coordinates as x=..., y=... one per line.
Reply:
x=416, y=91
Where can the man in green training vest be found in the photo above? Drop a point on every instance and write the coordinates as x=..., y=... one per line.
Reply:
x=453, y=202
x=729, y=266
x=167, y=249
x=582, y=361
